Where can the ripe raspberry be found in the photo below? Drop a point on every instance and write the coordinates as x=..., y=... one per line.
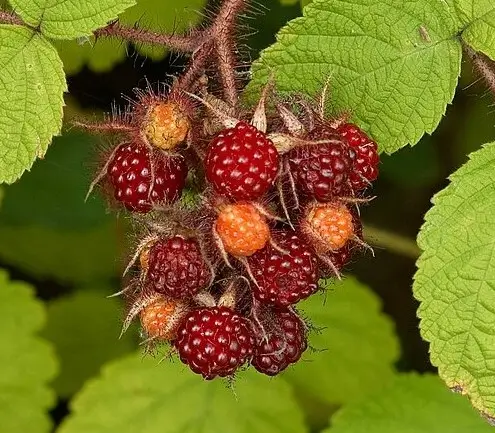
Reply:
x=161, y=319
x=165, y=125
x=284, y=279
x=176, y=267
x=322, y=170
x=286, y=343
x=328, y=227
x=242, y=163
x=214, y=341
x=366, y=161
x=242, y=229
x=130, y=174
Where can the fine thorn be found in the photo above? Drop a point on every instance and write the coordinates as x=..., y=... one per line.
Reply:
x=259, y=120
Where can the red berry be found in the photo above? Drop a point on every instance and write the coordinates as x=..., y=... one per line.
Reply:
x=214, y=341
x=286, y=343
x=366, y=161
x=242, y=163
x=321, y=170
x=175, y=267
x=284, y=278
x=130, y=174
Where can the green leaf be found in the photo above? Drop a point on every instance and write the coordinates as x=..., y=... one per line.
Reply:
x=141, y=395
x=41, y=198
x=156, y=15
x=411, y=404
x=66, y=256
x=455, y=280
x=85, y=328
x=69, y=19
x=27, y=362
x=32, y=84
x=393, y=65
x=478, y=17
x=358, y=345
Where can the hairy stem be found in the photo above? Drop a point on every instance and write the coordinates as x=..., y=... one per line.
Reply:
x=391, y=241
x=10, y=18
x=484, y=66
x=180, y=43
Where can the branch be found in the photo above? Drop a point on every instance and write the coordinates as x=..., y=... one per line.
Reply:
x=485, y=67
x=10, y=18
x=180, y=43
x=391, y=241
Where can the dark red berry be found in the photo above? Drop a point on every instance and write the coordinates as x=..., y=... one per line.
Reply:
x=136, y=185
x=214, y=341
x=286, y=343
x=176, y=268
x=285, y=274
x=242, y=163
x=321, y=170
x=366, y=161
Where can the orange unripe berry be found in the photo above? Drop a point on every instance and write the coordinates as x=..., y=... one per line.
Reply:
x=328, y=226
x=242, y=229
x=161, y=319
x=166, y=125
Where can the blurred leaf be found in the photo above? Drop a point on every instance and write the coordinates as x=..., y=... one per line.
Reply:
x=32, y=84
x=479, y=19
x=412, y=167
x=84, y=328
x=455, y=280
x=157, y=15
x=395, y=79
x=140, y=395
x=411, y=404
x=69, y=257
x=357, y=342
x=52, y=194
x=67, y=19
x=27, y=362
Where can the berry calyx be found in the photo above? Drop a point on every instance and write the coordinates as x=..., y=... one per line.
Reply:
x=328, y=227
x=365, y=164
x=140, y=181
x=321, y=170
x=161, y=319
x=286, y=342
x=242, y=163
x=242, y=229
x=284, y=275
x=165, y=125
x=175, y=267
x=214, y=341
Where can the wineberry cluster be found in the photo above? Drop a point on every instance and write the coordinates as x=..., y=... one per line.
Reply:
x=275, y=208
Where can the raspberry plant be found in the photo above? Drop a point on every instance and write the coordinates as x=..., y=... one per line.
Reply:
x=239, y=190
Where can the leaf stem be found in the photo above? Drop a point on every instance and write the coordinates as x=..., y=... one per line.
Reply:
x=393, y=242
x=10, y=18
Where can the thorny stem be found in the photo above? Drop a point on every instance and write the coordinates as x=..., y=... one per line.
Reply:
x=483, y=65
x=181, y=43
x=10, y=18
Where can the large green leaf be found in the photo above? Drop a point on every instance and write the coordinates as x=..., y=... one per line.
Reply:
x=157, y=15
x=478, y=16
x=455, y=280
x=27, y=362
x=32, y=84
x=85, y=328
x=357, y=342
x=69, y=19
x=411, y=404
x=393, y=65
x=140, y=395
